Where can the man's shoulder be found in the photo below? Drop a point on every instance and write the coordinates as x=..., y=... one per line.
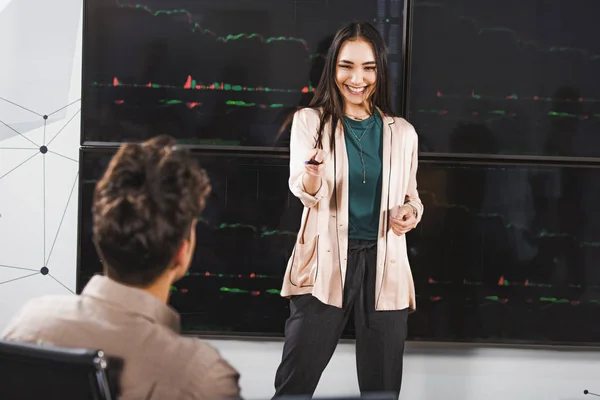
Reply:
x=199, y=352
x=45, y=305
x=37, y=315
x=206, y=370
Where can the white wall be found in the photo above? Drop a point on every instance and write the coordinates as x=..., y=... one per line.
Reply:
x=40, y=74
x=438, y=371
x=40, y=70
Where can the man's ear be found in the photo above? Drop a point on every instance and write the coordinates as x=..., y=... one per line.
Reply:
x=185, y=252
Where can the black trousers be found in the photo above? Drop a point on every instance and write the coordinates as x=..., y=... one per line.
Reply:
x=313, y=330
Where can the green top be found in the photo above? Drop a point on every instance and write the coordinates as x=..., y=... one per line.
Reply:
x=364, y=183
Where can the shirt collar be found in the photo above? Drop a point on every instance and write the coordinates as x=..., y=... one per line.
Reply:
x=133, y=300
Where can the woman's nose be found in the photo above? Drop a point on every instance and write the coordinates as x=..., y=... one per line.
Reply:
x=357, y=78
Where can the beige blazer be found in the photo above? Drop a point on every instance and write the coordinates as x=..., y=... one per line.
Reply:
x=318, y=263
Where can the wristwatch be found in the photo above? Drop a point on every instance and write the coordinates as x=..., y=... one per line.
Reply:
x=415, y=211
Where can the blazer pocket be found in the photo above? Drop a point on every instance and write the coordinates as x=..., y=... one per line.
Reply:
x=305, y=263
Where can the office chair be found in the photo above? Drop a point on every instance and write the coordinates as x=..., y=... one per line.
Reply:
x=29, y=371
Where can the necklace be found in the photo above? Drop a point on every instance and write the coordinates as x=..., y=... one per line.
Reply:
x=362, y=159
x=362, y=118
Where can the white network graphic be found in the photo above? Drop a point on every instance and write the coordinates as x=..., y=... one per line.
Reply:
x=41, y=150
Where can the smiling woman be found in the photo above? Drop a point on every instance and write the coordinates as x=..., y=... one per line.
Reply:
x=353, y=165
x=356, y=77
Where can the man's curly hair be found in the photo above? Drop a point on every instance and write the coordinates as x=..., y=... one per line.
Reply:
x=143, y=208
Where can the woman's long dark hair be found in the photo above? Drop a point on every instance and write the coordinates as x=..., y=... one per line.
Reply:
x=328, y=99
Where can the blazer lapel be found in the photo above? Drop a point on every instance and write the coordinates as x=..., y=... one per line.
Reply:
x=386, y=173
x=386, y=165
x=341, y=185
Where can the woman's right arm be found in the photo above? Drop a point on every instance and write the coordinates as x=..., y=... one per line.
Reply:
x=307, y=187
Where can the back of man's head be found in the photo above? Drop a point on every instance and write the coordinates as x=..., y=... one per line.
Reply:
x=144, y=208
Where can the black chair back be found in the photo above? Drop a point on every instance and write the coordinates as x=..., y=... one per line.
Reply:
x=369, y=396
x=29, y=371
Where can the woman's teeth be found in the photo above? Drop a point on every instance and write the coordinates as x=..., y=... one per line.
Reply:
x=355, y=90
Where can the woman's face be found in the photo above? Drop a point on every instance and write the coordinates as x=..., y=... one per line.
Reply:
x=356, y=72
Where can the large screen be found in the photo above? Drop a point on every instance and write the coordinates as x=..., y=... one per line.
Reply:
x=243, y=240
x=214, y=73
x=506, y=77
x=504, y=254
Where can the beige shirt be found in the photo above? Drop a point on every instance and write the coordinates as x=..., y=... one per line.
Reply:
x=319, y=260
x=137, y=327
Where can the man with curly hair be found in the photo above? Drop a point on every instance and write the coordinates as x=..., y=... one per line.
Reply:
x=144, y=210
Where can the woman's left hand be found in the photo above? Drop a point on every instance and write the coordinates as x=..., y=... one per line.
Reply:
x=404, y=220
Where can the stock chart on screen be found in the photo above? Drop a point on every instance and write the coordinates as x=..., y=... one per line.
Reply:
x=217, y=73
x=506, y=77
x=508, y=248
x=503, y=253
